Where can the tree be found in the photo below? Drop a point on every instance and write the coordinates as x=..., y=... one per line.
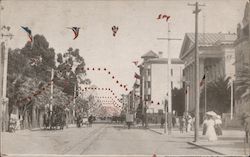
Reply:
x=243, y=82
x=178, y=100
x=70, y=71
x=218, y=96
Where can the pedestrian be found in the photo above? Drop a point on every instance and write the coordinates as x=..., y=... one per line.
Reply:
x=217, y=125
x=174, y=121
x=90, y=120
x=182, y=123
x=210, y=131
x=169, y=120
x=188, y=122
x=162, y=122
x=204, y=125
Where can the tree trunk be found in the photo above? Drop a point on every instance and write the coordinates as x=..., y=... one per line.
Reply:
x=33, y=118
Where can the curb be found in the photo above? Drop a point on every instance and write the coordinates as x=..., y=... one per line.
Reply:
x=154, y=131
x=192, y=143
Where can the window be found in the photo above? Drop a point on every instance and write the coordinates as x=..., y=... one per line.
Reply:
x=172, y=72
x=149, y=72
x=149, y=97
x=172, y=85
x=149, y=84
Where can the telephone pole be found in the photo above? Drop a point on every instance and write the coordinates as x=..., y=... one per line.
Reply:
x=169, y=88
x=51, y=91
x=197, y=77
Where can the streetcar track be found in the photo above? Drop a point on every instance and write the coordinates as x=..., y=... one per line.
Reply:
x=94, y=140
x=89, y=135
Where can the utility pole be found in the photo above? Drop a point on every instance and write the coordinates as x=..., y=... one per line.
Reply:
x=169, y=89
x=205, y=91
x=51, y=91
x=197, y=77
x=74, y=101
x=232, y=98
x=142, y=96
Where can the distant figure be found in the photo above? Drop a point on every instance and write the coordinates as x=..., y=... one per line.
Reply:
x=188, y=123
x=173, y=121
x=204, y=124
x=217, y=126
x=246, y=124
x=210, y=132
x=182, y=124
x=162, y=122
x=90, y=120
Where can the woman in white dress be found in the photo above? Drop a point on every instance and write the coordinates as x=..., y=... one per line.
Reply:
x=210, y=132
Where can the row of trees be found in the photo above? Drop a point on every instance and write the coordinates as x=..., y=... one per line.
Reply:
x=29, y=70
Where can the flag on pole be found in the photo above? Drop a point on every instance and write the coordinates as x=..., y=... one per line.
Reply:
x=202, y=80
x=137, y=76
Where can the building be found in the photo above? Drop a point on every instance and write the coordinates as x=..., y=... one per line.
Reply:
x=242, y=54
x=154, y=82
x=216, y=59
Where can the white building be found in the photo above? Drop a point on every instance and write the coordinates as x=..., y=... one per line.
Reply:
x=154, y=75
x=216, y=57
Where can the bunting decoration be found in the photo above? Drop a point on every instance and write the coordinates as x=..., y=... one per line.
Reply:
x=75, y=31
x=160, y=16
x=28, y=31
x=124, y=86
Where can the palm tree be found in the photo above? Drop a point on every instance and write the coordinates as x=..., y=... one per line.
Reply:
x=243, y=82
x=218, y=96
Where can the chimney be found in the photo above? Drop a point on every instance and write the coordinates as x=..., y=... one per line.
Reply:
x=160, y=54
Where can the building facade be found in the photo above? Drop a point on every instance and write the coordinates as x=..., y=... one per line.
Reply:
x=242, y=54
x=154, y=82
x=216, y=60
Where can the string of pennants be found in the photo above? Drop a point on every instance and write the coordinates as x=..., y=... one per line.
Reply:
x=44, y=88
x=76, y=30
x=124, y=86
x=106, y=89
x=151, y=101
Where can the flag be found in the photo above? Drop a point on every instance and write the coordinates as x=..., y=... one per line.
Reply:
x=115, y=29
x=136, y=85
x=203, y=80
x=137, y=76
x=75, y=30
x=160, y=16
x=28, y=31
x=135, y=62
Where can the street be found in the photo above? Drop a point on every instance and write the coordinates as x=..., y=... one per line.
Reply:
x=101, y=139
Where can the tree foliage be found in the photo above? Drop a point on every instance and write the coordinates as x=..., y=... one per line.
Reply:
x=178, y=100
x=218, y=96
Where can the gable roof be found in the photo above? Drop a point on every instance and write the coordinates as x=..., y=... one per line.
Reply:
x=150, y=54
x=207, y=39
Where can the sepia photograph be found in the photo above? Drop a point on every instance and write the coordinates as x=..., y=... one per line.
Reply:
x=124, y=78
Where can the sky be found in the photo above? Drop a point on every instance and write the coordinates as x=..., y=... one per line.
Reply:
x=137, y=34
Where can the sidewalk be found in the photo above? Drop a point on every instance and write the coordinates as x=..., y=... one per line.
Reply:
x=230, y=143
